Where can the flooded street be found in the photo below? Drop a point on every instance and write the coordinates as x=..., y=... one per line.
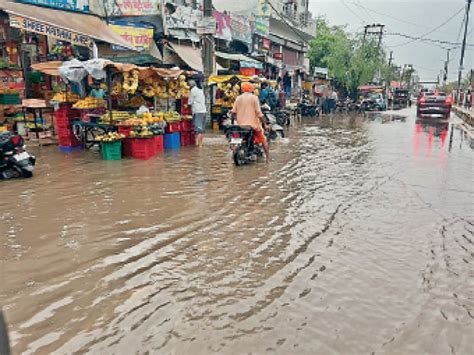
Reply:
x=357, y=238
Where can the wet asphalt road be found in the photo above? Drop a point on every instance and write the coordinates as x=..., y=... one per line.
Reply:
x=357, y=238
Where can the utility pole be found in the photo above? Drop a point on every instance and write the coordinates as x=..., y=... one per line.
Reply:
x=388, y=77
x=374, y=30
x=461, y=64
x=380, y=35
x=207, y=51
x=446, y=66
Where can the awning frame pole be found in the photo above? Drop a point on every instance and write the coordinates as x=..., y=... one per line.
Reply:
x=95, y=51
x=108, y=79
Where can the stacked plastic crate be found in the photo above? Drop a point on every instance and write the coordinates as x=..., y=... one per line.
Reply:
x=187, y=133
x=66, y=139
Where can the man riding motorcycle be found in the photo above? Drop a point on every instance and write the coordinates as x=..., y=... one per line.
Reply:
x=247, y=112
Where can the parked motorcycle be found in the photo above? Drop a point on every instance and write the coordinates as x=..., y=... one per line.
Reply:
x=282, y=117
x=346, y=106
x=15, y=161
x=342, y=106
x=308, y=109
x=241, y=140
x=276, y=130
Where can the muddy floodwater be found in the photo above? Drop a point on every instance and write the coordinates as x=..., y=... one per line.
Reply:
x=357, y=238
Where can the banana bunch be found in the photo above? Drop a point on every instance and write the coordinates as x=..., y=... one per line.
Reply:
x=148, y=91
x=117, y=88
x=230, y=93
x=130, y=81
x=183, y=87
x=89, y=102
x=66, y=97
x=179, y=88
x=173, y=88
x=172, y=116
x=116, y=116
x=135, y=101
x=159, y=86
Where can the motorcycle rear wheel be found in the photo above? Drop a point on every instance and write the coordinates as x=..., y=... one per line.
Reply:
x=240, y=156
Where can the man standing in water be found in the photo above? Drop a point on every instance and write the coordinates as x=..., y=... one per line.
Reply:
x=197, y=102
x=248, y=113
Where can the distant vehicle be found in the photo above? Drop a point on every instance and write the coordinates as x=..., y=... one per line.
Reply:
x=401, y=98
x=434, y=104
x=374, y=102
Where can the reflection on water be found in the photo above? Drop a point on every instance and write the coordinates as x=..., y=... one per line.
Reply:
x=357, y=238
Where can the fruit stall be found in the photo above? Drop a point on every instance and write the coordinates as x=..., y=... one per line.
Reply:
x=12, y=88
x=129, y=111
x=226, y=88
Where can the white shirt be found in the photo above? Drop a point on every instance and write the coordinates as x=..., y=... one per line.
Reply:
x=197, y=100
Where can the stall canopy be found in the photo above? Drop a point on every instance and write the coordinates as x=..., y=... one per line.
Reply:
x=190, y=55
x=217, y=79
x=150, y=57
x=369, y=88
x=76, y=28
x=94, y=66
x=49, y=68
x=246, y=62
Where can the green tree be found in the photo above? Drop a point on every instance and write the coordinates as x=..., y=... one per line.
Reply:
x=351, y=61
x=366, y=63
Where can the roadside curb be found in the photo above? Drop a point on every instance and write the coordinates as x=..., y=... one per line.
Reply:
x=466, y=116
x=467, y=120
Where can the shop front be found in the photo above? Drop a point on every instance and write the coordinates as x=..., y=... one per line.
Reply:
x=124, y=109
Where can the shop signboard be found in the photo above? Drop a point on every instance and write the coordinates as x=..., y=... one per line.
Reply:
x=241, y=30
x=206, y=26
x=72, y=5
x=224, y=29
x=62, y=34
x=321, y=72
x=135, y=7
x=262, y=26
x=139, y=36
x=183, y=18
x=278, y=56
x=264, y=9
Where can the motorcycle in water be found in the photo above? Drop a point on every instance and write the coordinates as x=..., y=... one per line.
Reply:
x=241, y=139
x=276, y=131
x=15, y=161
x=282, y=117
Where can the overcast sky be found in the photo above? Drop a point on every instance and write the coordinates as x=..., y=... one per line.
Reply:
x=410, y=17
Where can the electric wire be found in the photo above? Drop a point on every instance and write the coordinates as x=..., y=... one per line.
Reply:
x=414, y=39
x=362, y=21
x=431, y=40
x=390, y=16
